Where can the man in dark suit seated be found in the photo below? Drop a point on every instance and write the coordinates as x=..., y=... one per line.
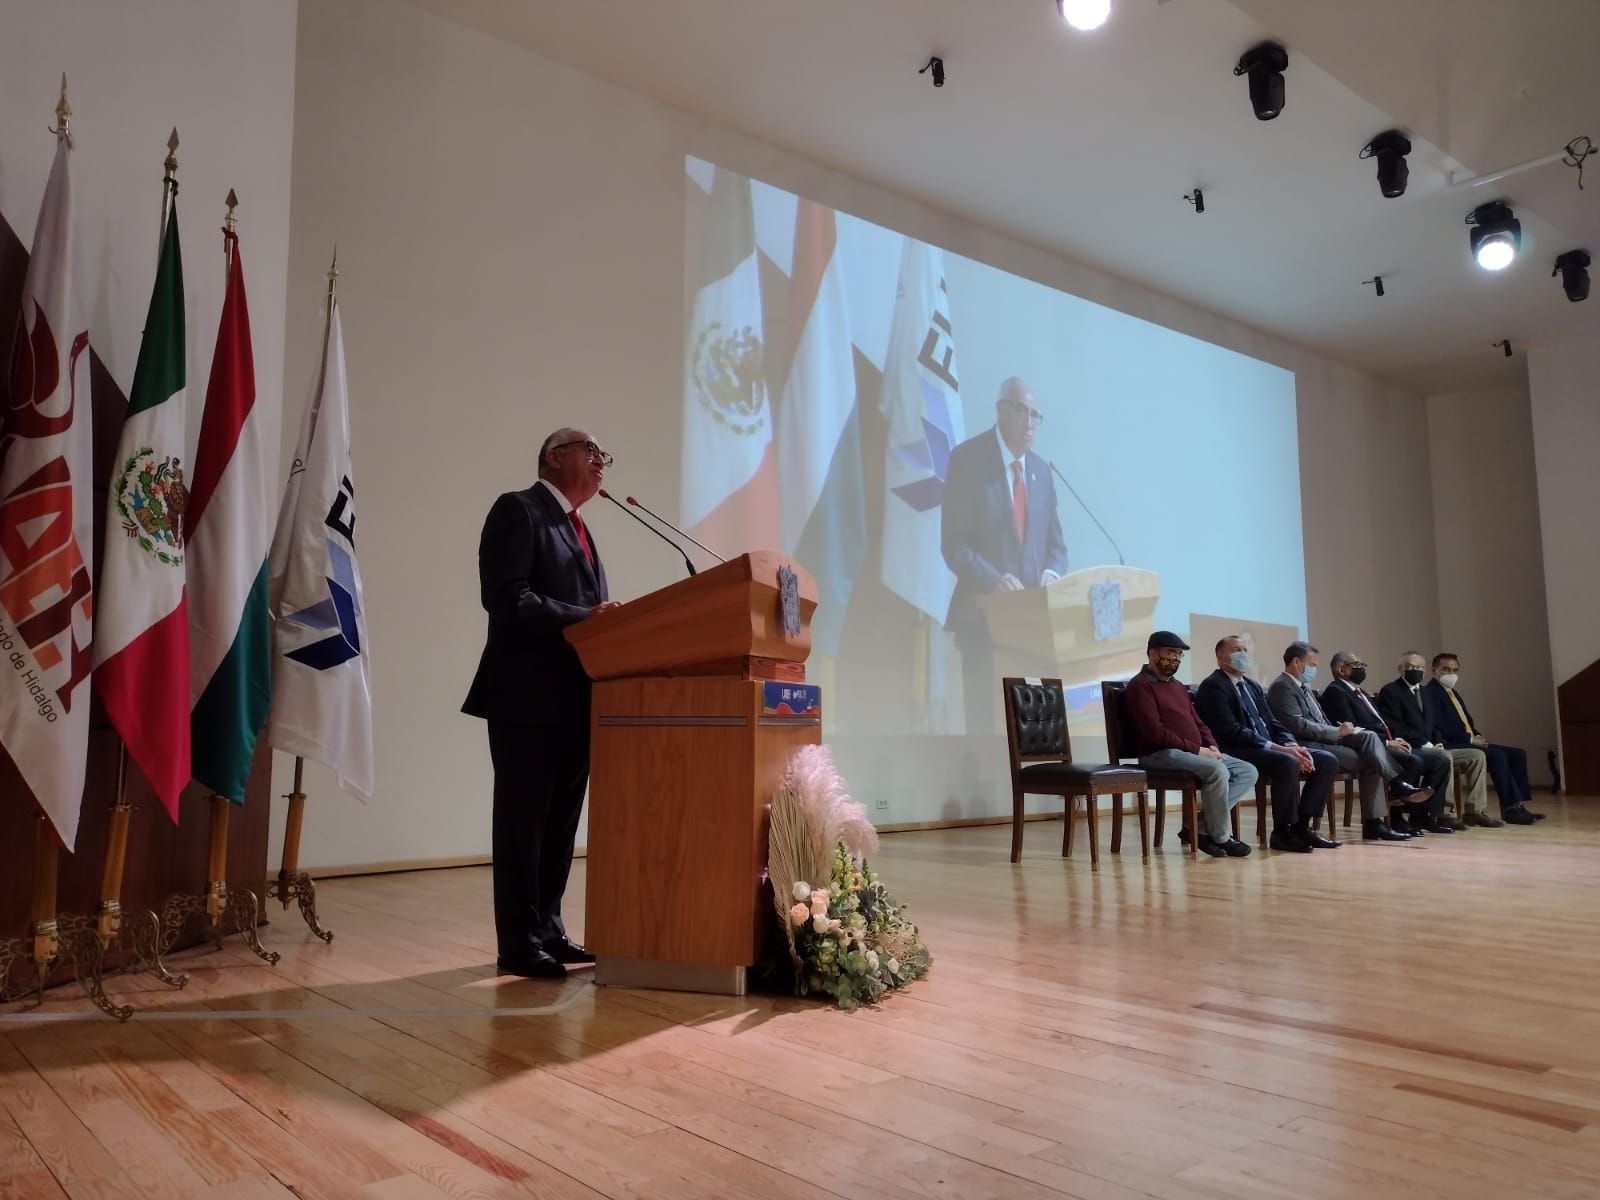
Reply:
x=999, y=532
x=1404, y=707
x=1360, y=751
x=1234, y=708
x=538, y=572
x=1168, y=735
x=1508, y=765
x=1344, y=699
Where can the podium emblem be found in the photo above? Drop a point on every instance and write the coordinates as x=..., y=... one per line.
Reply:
x=789, y=601
x=1105, y=603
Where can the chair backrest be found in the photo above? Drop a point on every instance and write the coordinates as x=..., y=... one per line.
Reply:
x=1036, y=720
x=1118, y=735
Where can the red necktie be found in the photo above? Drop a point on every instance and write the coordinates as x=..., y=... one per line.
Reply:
x=1019, y=501
x=583, y=536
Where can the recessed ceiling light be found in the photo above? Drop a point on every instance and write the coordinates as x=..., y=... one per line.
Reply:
x=1084, y=14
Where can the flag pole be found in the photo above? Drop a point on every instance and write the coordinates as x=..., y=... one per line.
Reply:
x=292, y=882
x=169, y=186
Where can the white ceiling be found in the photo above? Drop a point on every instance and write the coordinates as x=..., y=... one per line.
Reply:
x=1085, y=143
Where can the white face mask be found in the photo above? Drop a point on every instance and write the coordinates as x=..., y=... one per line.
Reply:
x=1450, y=680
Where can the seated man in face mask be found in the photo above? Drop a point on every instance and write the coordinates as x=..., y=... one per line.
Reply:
x=1404, y=707
x=1235, y=708
x=1169, y=735
x=1344, y=699
x=1508, y=765
x=1360, y=751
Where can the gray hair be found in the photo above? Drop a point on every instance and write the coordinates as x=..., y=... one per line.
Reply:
x=1340, y=657
x=559, y=436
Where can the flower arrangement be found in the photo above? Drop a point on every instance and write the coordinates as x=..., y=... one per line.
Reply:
x=846, y=935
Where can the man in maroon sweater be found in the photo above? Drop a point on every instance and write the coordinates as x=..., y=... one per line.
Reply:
x=1168, y=735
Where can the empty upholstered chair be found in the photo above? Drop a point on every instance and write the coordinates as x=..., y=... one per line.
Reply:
x=1041, y=764
x=1119, y=738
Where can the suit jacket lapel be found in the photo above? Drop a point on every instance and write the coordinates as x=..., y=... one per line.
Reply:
x=569, y=533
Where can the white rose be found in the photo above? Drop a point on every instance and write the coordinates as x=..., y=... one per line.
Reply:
x=894, y=966
x=820, y=924
x=802, y=890
x=872, y=959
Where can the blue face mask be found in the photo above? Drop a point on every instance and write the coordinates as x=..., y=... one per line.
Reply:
x=1239, y=660
x=1311, y=674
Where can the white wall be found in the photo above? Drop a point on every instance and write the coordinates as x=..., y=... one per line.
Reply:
x=1491, y=564
x=222, y=72
x=1565, y=394
x=510, y=236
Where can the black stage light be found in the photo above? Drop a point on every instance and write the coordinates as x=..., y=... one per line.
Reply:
x=1504, y=344
x=1198, y=199
x=1390, y=149
x=1573, y=267
x=1496, y=235
x=1265, y=65
x=936, y=65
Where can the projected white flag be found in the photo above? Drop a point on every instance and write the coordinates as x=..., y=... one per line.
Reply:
x=321, y=662
x=922, y=401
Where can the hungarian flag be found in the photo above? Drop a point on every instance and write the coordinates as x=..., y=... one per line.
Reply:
x=142, y=639
x=730, y=480
x=46, y=524
x=230, y=633
x=922, y=401
x=819, y=428
x=321, y=663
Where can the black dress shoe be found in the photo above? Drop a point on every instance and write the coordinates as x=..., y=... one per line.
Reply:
x=535, y=965
x=1208, y=845
x=1517, y=815
x=1234, y=848
x=565, y=950
x=1377, y=831
x=1531, y=813
x=1436, y=825
x=1404, y=793
x=1316, y=841
x=1290, y=841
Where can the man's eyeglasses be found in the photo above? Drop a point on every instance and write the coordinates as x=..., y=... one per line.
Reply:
x=594, y=452
x=1033, y=415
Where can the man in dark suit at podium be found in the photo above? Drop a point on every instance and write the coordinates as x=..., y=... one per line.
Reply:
x=999, y=532
x=538, y=572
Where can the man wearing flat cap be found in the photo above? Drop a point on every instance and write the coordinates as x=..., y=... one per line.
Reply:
x=1169, y=735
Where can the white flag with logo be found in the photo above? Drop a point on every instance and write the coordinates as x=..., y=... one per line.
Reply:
x=321, y=662
x=46, y=525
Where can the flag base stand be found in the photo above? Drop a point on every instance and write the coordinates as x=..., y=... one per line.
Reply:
x=298, y=886
x=73, y=936
x=219, y=903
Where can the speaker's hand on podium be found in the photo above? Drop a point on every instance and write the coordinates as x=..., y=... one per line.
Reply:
x=605, y=606
x=1008, y=583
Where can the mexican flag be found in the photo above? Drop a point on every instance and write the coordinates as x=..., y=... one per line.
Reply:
x=142, y=630
x=230, y=634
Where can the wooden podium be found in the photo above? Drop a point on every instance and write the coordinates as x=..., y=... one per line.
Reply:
x=691, y=733
x=1086, y=626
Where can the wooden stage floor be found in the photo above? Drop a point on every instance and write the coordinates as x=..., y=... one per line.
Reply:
x=1417, y=1021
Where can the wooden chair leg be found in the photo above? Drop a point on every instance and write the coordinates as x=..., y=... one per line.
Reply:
x=1091, y=804
x=1261, y=814
x=1161, y=816
x=1016, y=822
x=1144, y=827
x=1066, y=837
x=1191, y=818
x=1349, y=799
x=1116, y=823
x=1233, y=817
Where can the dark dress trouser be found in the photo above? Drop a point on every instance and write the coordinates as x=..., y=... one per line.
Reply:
x=540, y=775
x=1292, y=803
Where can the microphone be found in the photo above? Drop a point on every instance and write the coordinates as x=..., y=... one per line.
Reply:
x=1121, y=562
x=678, y=531
x=608, y=496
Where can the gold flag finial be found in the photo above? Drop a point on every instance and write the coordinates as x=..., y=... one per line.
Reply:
x=333, y=270
x=63, y=115
x=171, y=161
x=232, y=202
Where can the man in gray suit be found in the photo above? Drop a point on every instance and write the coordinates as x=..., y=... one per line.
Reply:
x=1358, y=750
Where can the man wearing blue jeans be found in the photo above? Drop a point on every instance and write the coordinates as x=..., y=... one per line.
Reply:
x=1169, y=735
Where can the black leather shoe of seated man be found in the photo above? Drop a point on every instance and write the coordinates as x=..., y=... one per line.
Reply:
x=565, y=950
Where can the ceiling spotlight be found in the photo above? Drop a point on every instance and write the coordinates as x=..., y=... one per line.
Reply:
x=1573, y=267
x=1390, y=149
x=1496, y=235
x=1265, y=64
x=936, y=65
x=1504, y=345
x=1198, y=199
x=1084, y=15
x=1376, y=281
